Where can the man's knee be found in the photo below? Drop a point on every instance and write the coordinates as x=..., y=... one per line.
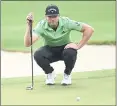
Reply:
x=70, y=52
x=38, y=55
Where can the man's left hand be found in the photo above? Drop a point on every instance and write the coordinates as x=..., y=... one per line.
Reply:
x=71, y=45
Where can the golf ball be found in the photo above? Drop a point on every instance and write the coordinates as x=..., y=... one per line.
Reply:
x=78, y=98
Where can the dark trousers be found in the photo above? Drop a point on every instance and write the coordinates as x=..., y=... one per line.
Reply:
x=46, y=55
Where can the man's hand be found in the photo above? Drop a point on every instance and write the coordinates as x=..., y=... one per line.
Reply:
x=29, y=17
x=71, y=45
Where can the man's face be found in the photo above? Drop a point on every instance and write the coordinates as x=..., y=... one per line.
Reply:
x=52, y=20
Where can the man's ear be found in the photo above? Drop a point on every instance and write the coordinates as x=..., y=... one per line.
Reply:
x=45, y=17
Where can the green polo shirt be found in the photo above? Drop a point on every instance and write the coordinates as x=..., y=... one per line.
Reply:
x=59, y=37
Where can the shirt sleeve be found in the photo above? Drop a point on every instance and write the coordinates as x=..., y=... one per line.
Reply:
x=74, y=25
x=37, y=29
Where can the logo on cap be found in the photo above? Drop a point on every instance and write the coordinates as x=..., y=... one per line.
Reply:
x=52, y=10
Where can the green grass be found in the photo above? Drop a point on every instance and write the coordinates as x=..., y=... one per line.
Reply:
x=99, y=14
x=94, y=88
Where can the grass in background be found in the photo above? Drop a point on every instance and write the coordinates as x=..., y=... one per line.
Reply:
x=94, y=88
x=99, y=14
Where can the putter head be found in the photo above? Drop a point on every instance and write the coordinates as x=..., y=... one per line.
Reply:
x=29, y=88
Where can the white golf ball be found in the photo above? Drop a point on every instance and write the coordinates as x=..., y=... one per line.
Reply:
x=78, y=98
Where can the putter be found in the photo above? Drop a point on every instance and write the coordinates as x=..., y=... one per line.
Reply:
x=31, y=87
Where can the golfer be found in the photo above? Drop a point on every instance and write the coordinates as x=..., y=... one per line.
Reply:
x=55, y=30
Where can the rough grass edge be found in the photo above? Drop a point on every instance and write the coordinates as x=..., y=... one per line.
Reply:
x=101, y=43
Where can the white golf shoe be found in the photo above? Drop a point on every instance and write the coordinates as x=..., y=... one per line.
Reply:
x=66, y=79
x=50, y=79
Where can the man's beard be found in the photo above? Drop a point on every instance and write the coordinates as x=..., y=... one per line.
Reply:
x=53, y=25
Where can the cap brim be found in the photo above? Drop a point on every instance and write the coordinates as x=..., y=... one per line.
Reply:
x=52, y=15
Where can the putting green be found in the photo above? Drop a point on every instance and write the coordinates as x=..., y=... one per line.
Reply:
x=94, y=88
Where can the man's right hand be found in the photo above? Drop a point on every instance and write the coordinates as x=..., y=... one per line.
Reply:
x=29, y=17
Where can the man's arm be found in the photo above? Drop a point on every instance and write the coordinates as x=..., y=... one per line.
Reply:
x=87, y=33
x=27, y=38
x=81, y=27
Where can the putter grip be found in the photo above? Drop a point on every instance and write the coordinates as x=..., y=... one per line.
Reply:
x=30, y=22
